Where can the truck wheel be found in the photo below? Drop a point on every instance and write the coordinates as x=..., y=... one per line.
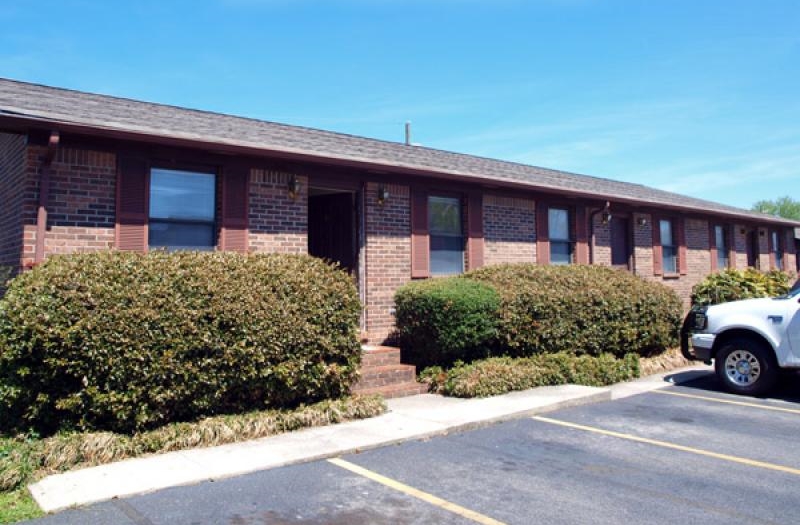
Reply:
x=746, y=366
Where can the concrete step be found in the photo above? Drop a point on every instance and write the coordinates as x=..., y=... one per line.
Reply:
x=386, y=375
x=382, y=373
x=379, y=355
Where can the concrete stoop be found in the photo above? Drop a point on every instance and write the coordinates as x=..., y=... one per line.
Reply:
x=383, y=373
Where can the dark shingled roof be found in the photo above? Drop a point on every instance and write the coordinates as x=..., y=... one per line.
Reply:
x=21, y=100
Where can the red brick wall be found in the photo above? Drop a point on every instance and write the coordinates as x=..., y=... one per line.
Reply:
x=81, y=212
x=602, y=241
x=509, y=229
x=80, y=205
x=388, y=255
x=643, y=245
x=12, y=191
x=278, y=223
x=82, y=216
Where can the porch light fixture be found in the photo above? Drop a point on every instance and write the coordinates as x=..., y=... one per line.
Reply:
x=605, y=217
x=641, y=221
x=294, y=187
x=383, y=194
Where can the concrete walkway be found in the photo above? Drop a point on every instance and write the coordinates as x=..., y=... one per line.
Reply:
x=408, y=418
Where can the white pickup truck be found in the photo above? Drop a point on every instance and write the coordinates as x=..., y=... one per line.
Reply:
x=750, y=340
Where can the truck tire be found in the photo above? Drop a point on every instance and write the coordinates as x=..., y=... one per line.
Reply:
x=746, y=366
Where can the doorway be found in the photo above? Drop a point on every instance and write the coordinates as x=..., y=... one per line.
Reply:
x=333, y=227
x=753, y=250
x=620, y=243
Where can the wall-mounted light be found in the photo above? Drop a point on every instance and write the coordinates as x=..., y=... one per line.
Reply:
x=605, y=217
x=761, y=233
x=641, y=221
x=294, y=187
x=383, y=194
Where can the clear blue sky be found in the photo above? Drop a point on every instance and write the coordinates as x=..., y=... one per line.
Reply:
x=698, y=97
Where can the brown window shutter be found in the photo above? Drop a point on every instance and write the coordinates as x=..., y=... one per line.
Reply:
x=420, y=240
x=234, y=232
x=732, y=246
x=475, y=230
x=132, y=204
x=542, y=235
x=683, y=263
x=658, y=253
x=712, y=242
x=581, y=236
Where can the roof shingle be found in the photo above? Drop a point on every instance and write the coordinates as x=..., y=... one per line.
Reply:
x=21, y=100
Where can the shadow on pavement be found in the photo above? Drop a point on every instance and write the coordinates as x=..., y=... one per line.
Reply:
x=787, y=389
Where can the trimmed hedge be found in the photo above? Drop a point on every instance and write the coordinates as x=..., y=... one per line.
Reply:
x=443, y=320
x=582, y=309
x=733, y=285
x=499, y=375
x=125, y=342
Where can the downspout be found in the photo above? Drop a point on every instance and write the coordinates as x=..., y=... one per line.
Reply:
x=591, y=229
x=44, y=196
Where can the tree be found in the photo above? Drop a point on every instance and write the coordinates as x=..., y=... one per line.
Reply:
x=782, y=207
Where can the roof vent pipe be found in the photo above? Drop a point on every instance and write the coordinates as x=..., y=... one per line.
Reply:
x=408, y=133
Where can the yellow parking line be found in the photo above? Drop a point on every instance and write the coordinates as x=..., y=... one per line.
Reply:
x=727, y=401
x=673, y=446
x=411, y=491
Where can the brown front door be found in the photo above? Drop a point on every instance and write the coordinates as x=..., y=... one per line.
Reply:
x=620, y=243
x=332, y=227
x=752, y=249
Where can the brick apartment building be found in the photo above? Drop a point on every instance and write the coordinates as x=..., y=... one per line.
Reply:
x=81, y=171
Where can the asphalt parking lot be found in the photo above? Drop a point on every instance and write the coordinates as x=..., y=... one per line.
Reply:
x=683, y=454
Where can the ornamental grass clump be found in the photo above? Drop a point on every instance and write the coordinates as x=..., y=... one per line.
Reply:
x=125, y=342
x=499, y=375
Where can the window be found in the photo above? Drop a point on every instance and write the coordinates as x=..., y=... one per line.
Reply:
x=558, y=232
x=723, y=249
x=669, y=250
x=182, y=210
x=777, y=250
x=446, y=235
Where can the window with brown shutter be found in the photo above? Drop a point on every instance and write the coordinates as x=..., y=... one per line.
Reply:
x=722, y=253
x=446, y=234
x=235, y=188
x=131, y=221
x=475, y=230
x=420, y=248
x=182, y=210
x=542, y=240
x=559, y=232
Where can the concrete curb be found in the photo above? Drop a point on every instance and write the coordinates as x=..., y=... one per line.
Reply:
x=411, y=418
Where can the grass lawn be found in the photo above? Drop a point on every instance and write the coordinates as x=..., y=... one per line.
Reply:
x=18, y=505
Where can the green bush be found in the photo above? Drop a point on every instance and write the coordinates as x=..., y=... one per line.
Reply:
x=733, y=285
x=499, y=375
x=443, y=320
x=123, y=341
x=581, y=309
